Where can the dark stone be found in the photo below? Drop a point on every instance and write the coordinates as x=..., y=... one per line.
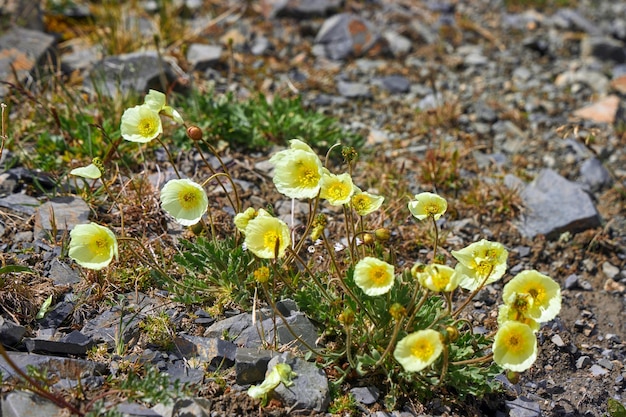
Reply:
x=345, y=34
x=57, y=315
x=555, y=205
x=136, y=72
x=10, y=333
x=251, y=364
x=23, y=53
x=299, y=8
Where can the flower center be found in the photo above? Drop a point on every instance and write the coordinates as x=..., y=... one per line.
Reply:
x=378, y=275
x=484, y=268
x=514, y=343
x=147, y=127
x=537, y=294
x=187, y=199
x=422, y=350
x=431, y=208
x=359, y=203
x=99, y=246
x=307, y=176
x=271, y=240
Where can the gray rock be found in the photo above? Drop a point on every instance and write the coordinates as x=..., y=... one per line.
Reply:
x=22, y=51
x=62, y=274
x=346, y=34
x=299, y=8
x=555, y=205
x=297, y=322
x=595, y=175
x=571, y=19
x=597, y=370
x=135, y=410
x=395, y=84
x=365, y=395
x=603, y=48
x=231, y=327
x=251, y=364
x=57, y=315
x=22, y=403
x=260, y=45
x=523, y=407
x=135, y=72
x=557, y=340
x=74, y=343
x=20, y=203
x=571, y=282
x=610, y=270
x=64, y=368
x=309, y=390
x=218, y=353
x=106, y=327
x=398, y=45
x=10, y=332
x=61, y=213
x=353, y=89
x=192, y=407
x=201, y=56
x=583, y=362
x=80, y=59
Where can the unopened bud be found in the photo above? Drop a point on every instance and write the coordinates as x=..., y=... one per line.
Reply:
x=452, y=333
x=417, y=268
x=194, y=133
x=397, y=311
x=347, y=317
x=368, y=239
x=383, y=234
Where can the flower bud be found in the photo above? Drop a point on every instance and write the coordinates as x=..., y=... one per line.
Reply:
x=397, y=311
x=368, y=239
x=346, y=317
x=194, y=133
x=262, y=274
x=383, y=234
x=452, y=333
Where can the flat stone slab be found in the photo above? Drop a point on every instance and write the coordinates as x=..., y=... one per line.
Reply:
x=555, y=205
x=21, y=51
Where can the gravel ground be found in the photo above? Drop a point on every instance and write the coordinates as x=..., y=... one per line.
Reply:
x=504, y=87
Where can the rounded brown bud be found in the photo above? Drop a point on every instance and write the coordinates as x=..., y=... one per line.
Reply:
x=194, y=133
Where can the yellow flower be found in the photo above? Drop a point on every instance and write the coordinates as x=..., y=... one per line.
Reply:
x=297, y=171
x=365, y=203
x=261, y=274
x=373, y=276
x=428, y=205
x=543, y=291
x=418, y=350
x=242, y=219
x=336, y=189
x=439, y=278
x=267, y=237
x=507, y=313
x=481, y=262
x=514, y=346
x=156, y=101
x=140, y=124
x=92, y=246
x=184, y=200
x=280, y=373
x=90, y=171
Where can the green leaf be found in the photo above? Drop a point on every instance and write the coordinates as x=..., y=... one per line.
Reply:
x=16, y=268
x=616, y=409
x=44, y=307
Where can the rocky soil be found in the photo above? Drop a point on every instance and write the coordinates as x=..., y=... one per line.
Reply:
x=532, y=99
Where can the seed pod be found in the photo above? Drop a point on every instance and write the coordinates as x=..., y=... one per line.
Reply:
x=194, y=133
